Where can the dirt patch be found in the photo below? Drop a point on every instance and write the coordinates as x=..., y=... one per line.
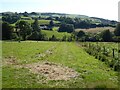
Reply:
x=11, y=60
x=52, y=71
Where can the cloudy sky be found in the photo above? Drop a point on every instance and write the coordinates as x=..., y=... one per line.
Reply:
x=107, y=9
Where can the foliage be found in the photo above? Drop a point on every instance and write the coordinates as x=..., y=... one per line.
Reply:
x=34, y=36
x=6, y=31
x=80, y=34
x=106, y=52
x=35, y=26
x=25, y=29
x=66, y=28
x=11, y=18
x=51, y=24
x=53, y=38
x=117, y=30
x=106, y=36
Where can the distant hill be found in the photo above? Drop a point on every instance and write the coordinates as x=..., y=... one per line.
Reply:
x=93, y=20
x=105, y=21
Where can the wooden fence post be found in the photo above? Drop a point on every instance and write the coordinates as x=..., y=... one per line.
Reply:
x=113, y=53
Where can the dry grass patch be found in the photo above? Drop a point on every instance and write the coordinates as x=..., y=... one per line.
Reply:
x=52, y=71
x=11, y=60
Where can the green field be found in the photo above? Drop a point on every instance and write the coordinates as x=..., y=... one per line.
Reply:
x=56, y=33
x=43, y=22
x=20, y=70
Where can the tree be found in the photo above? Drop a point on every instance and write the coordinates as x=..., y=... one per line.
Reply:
x=66, y=28
x=80, y=34
x=70, y=28
x=117, y=30
x=6, y=31
x=51, y=24
x=53, y=38
x=10, y=18
x=25, y=29
x=36, y=34
x=35, y=26
x=25, y=14
x=64, y=38
x=106, y=36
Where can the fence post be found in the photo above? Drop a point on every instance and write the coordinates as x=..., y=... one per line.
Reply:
x=104, y=49
x=113, y=53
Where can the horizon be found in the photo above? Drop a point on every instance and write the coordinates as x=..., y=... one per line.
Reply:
x=101, y=9
x=61, y=13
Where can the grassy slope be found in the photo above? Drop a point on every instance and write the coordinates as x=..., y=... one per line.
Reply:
x=40, y=22
x=92, y=71
x=57, y=34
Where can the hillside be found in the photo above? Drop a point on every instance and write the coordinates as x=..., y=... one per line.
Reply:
x=94, y=20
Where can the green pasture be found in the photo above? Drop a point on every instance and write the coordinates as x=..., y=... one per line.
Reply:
x=92, y=72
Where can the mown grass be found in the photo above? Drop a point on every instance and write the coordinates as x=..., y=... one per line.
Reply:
x=57, y=34
x=91, y=69
x=92, y=72
x=25, y=52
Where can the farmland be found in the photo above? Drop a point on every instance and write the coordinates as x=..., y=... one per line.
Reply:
x=96, y=30
x=57, y=34
x=45, y=51
x=43, y=22
x=20, y=60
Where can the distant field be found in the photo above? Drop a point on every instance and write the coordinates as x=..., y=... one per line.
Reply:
x=57, y=34
x=96, y=30
x=41, y=21
x=46, y=22
x=55, y=28
x=28, y=65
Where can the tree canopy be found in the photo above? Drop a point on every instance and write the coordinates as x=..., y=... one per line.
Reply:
x=117, y=30
x=66, y=28
x=6, y=31
x=106, y=36
x=35, y=25
x=25, y=29
x=80, y=34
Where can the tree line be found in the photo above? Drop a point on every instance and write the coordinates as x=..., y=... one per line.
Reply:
x=23, y=31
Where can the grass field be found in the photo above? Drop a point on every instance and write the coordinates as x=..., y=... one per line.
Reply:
x=56, y=33
x=92, y=73
x=46, y=22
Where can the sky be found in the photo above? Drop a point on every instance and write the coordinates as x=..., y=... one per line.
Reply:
x=107, y=9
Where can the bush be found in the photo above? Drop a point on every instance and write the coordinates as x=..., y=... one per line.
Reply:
x=66, y=28
x=14, y=36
